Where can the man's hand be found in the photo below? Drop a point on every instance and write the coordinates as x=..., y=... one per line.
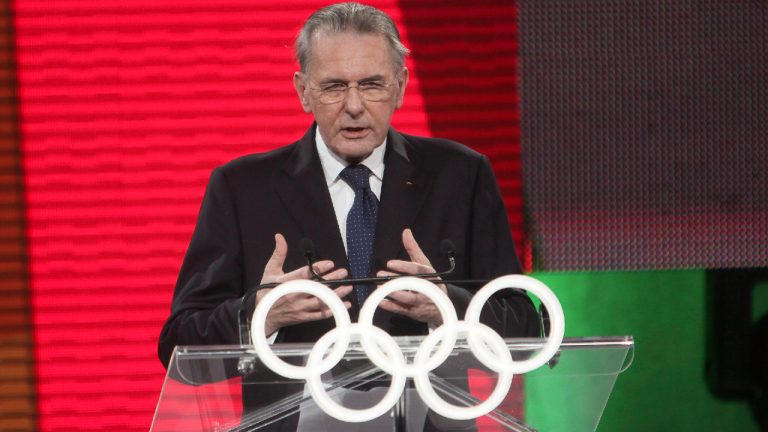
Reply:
x=298, y=307
x=412, y=304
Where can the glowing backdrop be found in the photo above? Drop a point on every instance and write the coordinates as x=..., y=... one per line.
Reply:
x=125, y=108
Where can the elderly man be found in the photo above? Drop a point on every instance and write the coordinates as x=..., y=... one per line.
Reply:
x=374, y=202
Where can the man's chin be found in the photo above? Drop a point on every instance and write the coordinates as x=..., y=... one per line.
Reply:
x=358, y=155
x=354, y=151
x=355, y=158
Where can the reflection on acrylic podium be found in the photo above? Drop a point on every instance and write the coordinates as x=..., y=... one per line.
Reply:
x=228, y=388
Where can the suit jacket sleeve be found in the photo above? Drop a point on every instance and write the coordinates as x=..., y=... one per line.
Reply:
x=209, y=289
x=491, y=253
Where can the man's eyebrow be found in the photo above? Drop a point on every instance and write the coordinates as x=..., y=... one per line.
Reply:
x=332, y=81
x=377, y=77
x=373, y=78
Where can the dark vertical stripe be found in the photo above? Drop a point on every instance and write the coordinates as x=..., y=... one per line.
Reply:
x=17, y=389
x=465, y=55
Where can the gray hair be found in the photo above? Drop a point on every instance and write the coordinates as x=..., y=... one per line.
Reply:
x=342, y=17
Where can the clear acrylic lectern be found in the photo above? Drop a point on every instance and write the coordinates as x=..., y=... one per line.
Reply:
x=227, y=388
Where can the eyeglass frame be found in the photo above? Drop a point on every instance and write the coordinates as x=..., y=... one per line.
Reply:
x=345, y=92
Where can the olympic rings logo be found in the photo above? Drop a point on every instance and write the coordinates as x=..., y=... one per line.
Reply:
x=486, y=345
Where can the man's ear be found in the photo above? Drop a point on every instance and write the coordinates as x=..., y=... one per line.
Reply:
x=402, y=81
x=301, y=89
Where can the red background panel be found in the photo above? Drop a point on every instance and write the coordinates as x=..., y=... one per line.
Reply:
x=126, y=107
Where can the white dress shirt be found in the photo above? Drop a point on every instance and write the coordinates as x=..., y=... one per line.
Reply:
x=342, y=194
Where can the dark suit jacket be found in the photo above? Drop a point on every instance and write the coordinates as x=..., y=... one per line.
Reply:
x=438, y=188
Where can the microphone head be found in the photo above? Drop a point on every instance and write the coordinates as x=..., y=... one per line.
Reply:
x=447, y=247
x=307, y=246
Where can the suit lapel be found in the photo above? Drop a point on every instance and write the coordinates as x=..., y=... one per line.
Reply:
x=303, y=191
x=406, y=184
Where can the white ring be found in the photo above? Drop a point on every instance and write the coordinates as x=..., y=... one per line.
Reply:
x=504, y=380
x=259, y=338
x=396, y=387
x=489, y=348
x=548, y=299
x=438, y=297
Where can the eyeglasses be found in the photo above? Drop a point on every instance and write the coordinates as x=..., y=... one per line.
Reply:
x=371, y=91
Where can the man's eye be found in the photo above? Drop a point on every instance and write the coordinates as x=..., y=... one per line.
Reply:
x=371, y=85
x=333, y=87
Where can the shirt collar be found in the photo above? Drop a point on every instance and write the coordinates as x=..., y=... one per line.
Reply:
x=332, y=164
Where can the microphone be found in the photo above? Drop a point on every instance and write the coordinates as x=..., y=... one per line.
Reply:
x=307, y=246
x=447, y=248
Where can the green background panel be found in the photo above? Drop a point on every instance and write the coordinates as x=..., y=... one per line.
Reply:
x=664, y=389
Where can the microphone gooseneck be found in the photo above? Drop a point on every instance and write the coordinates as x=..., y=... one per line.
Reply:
x=447, y=248
x=307, y=246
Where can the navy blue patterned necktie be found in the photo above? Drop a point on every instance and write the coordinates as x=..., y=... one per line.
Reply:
x=361, y=226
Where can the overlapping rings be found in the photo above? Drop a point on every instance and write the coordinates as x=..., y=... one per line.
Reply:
x=489, y=348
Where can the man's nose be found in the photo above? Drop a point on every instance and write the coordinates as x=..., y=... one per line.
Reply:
x=353, y=103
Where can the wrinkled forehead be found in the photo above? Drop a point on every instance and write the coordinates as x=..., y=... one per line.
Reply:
x=328, y=45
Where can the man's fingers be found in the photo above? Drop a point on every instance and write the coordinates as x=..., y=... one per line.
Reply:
x=315, y=303
x=408, y=267
x=413, y=249
x=336, y=274
x=309, y=304
x=304, y=273
x=322, y=267
x=313, y=306
x=389, y=305
x=274, y=266
x=407, y=298
x=317, y=315
x=424, y=311
x=343, y=290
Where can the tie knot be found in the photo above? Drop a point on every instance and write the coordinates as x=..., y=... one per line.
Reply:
x=356, y=176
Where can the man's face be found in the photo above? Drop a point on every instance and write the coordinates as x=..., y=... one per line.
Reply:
x=353, y=127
